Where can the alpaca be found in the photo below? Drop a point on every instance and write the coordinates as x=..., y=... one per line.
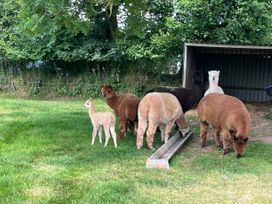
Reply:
x=213, y=83
x=228, y=115
x=159, y=109
x=188, y=98
x=125, y=107
x=105, y=119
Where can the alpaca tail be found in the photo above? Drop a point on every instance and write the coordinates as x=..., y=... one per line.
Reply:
x=131, y=112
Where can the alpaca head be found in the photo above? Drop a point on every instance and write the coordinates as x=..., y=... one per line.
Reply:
x=198, y=78
x=89, y=103
x=240, y=144
x=107, y=91
x=214, y=77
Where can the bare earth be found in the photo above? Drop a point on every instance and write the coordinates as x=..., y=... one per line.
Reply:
x=261, y=129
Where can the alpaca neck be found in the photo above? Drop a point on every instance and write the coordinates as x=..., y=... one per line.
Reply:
x=112, y=101
x=213, y=84
x=198, y=90
x=91, y=110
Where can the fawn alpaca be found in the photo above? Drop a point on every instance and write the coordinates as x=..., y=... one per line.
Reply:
x=99, y=119
x=213, y=83
x=159, y=109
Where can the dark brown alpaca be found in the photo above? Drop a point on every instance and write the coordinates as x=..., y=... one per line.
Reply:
x=227, y=114
x=125, y=107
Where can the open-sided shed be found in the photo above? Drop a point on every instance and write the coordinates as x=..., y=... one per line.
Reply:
x=245, y=71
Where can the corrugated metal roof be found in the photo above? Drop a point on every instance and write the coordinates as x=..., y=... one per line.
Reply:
x=230, y=49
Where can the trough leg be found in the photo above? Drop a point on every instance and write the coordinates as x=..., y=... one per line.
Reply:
x=216, y=134
x=203, y=132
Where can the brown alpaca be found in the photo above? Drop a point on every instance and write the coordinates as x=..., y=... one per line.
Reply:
x=227, y=114
x=125, y=107
x=159, y=110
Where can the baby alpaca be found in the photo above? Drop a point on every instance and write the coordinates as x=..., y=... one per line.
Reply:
x=213, y=83
x=225, y=114
x=105, y=119
x=159, y=110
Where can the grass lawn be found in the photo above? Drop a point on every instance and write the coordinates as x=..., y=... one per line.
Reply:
x=46, y=157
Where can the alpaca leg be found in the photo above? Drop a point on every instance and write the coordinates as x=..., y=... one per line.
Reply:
x=131, y=126
x=162, y=129
x=100, y=134
x=135, y=127
x=150, y=134
x=113, y=134
x=227, y=141
x=122, y=128
x=94, y=134
x=107, y=134
x=216, y=134
x=203, y=132
x=168, y=129
x=140, y=132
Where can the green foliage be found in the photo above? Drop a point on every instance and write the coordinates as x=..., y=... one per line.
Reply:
x=217, y=21
x=124, y=33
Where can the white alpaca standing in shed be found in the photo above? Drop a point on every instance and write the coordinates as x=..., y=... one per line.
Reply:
x=213, y=83
x=99, y=119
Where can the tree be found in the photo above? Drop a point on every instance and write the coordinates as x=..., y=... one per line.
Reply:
x=214, y=21
x=110, y=32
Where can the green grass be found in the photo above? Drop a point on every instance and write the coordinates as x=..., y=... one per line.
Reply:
x=46, y=157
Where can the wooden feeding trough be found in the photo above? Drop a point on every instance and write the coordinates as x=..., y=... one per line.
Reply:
x=160, y=159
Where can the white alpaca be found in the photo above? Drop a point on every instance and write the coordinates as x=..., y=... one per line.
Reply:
x=99, y=119
x=213, y=83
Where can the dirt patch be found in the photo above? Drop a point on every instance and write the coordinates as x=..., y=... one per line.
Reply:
x=261, y=129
